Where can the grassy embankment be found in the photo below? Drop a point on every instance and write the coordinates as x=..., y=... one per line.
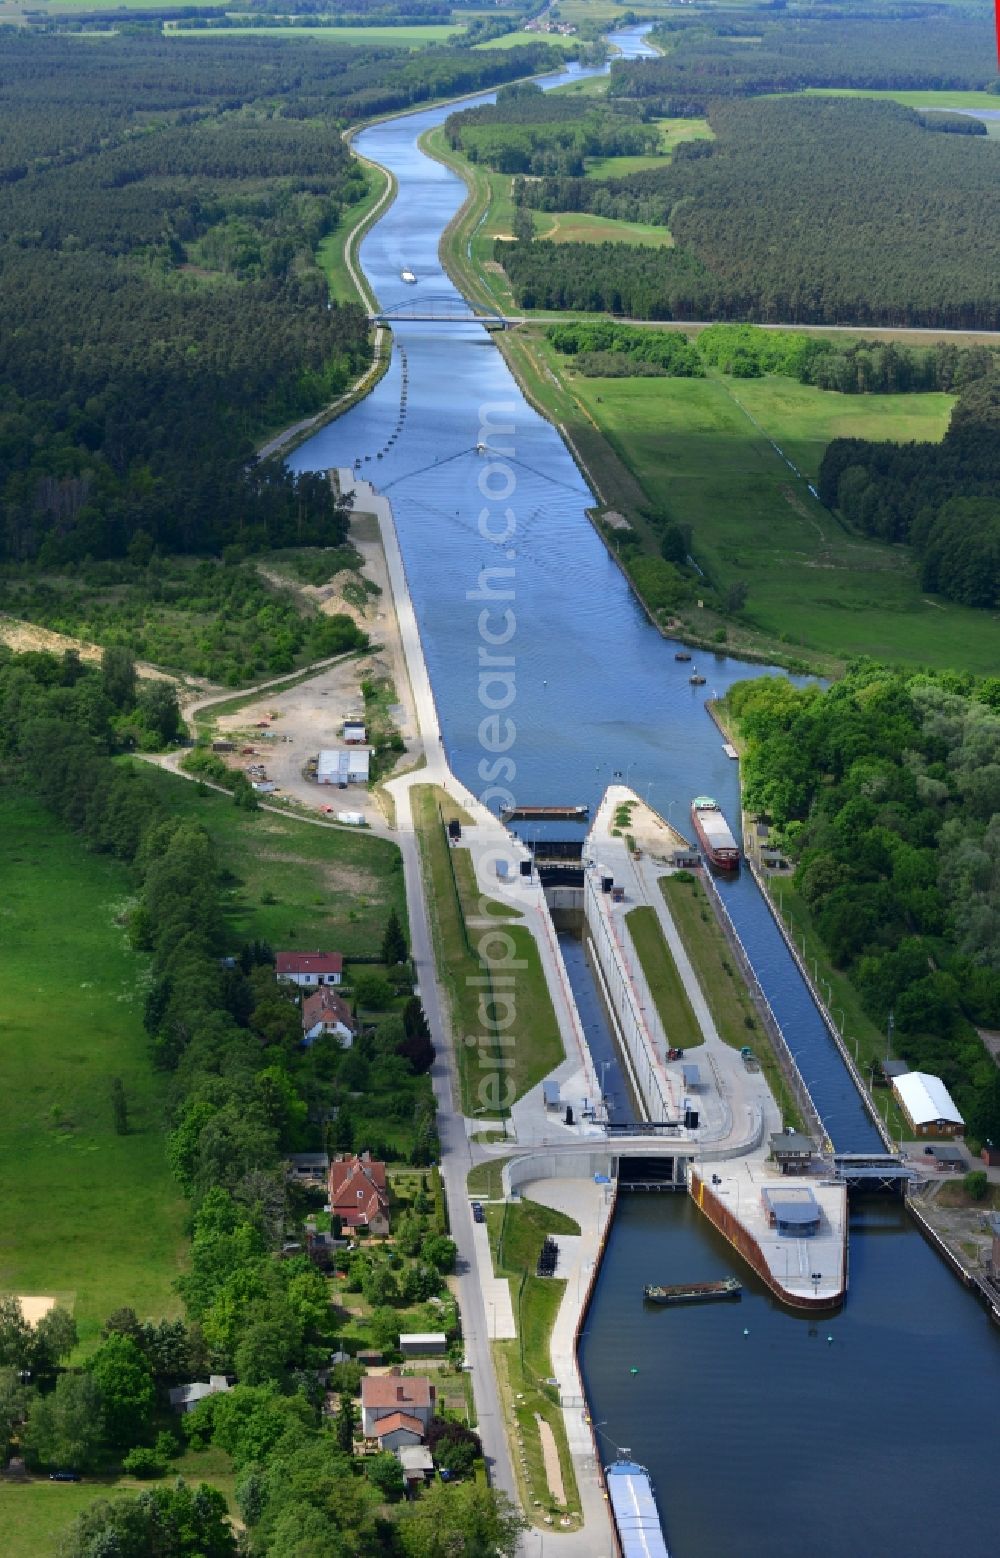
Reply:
x=703, y=451
x=723, y=985
x=538, y=1044
x=516, y=1233
x=665, y=984
x=332, y=252
x=519, y=40
x=90, y=1217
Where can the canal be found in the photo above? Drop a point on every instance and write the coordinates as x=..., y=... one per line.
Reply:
x=777, y=1441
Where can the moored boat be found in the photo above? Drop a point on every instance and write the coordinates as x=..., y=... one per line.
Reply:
x=714, y=833
x=408, y=276
x=693, y=1292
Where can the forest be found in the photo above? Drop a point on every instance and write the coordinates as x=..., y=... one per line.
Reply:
x=161, y=307
x=886, y=790
x=868, y=201
x=244, y=1093
x=741, y=55
x=944, y=499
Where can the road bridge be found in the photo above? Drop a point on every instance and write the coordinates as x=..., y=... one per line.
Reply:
x=444, y=311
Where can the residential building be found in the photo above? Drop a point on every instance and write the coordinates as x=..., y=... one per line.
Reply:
x=926, y=1105
x=327, y=1012
x=358, y=1194
x=308, y=1166
x=309, y=969
x=390, y=1396
x=184, y=1398
x=397, y=1431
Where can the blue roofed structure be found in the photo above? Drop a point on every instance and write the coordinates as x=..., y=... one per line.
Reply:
x=637, y=1518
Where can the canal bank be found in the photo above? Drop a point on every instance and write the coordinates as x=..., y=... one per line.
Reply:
x=597, y=691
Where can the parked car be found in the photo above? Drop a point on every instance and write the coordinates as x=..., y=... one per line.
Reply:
x=64, y=1476
x=478, y=1215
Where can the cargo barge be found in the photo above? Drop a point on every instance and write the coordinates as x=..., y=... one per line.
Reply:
x=693, y=1292
x=637, y=1521
x=713, y=833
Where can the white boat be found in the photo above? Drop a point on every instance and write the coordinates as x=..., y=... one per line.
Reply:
x=408, y=276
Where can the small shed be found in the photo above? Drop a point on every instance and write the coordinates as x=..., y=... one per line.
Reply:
x=354, y=732
x=691, y=1075
x=551, y=1095
x=370, y=1357
x=792, y=1151
x=423, y=1344
x=891, y=1069
x=308, y=1165
x=793, y=1211
x=947, y=1156
x=416, y=1461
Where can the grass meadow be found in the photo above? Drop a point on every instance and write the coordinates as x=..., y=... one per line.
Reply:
x=90, y=1217
x=665, y=984
x=292, y=883
x=34, y=1515
x=416, y=37
x=704, y=451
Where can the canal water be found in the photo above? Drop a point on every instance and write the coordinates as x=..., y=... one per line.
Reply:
x=778, y=1442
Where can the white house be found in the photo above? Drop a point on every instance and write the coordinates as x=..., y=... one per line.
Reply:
x=309, y=969
x=343, y=766
x=390, y=1396
x=327, y=1012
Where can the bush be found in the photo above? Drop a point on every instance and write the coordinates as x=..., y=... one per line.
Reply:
x=143, y=1462
x=976, y=1184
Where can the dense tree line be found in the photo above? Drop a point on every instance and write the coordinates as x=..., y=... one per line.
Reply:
x=741, y=57
x=867, y=200
x=886, y=789
x=594, y=346
x=529, y=131
x=944, y=499
x=864, y=367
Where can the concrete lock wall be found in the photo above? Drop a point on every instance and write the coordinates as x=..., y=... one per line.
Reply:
x=654, y=1099
x=556, y=1165
x=722, y=1218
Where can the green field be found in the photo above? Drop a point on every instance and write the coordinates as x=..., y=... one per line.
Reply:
x=518, y=40
x=90, y=1217
x=582, y=227
x=291, y=882
x=395, y=37
x=35, y=1515
x=703, y=451
x=939, y=100
x=672, y=133
x=665, y=984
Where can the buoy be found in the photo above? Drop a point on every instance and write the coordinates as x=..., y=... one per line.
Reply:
x=829, y=1338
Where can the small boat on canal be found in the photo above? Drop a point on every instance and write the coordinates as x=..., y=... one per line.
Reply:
x=693, y=1292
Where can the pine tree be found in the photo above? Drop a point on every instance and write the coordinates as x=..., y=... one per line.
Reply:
x=393, y=942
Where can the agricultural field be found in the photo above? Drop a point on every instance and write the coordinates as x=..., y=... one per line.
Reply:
x=672, y=133
x=583, y=227
x=519, y=40
x=90, y=1217
x=703, y=450
x=386, y=37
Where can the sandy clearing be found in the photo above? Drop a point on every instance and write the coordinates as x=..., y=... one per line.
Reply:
x=550, y=1455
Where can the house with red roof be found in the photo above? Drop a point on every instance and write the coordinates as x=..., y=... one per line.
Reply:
x=324, y=1011
x=395, y=1410
x=309, y=969
x=358, y=1194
